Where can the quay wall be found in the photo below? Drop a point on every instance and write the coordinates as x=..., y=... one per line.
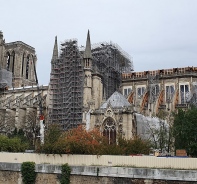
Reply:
x=47, y=173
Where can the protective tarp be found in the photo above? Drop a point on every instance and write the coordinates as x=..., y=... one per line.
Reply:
x=151, y=127
x=5, y=78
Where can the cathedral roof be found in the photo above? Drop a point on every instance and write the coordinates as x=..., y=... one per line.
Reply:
x=116, y=100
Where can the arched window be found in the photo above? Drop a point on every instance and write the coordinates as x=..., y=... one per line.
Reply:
x=23, y=60
x=33, y=69
x=13, y=61
x=109, y=130
x=8, y=61
x=27, y=67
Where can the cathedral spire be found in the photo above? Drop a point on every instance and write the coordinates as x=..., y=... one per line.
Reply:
x=87, y=53
x=55, y=50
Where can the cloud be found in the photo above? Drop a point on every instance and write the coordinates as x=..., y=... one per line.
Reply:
x=157, y=34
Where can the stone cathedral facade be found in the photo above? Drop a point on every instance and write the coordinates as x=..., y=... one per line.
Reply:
x=163, y=89
x=18, y=57
x=19, y=98
x=93, y=102
x=84, y=89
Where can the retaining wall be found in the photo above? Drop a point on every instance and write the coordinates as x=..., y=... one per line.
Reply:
x=10, y=174
x=104, y=160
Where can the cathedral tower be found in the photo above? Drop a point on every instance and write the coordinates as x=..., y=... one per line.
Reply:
x=18, y=58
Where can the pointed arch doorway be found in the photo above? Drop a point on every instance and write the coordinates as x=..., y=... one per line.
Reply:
x=109, y=130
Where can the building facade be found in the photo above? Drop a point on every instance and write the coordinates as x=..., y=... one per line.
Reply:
x=19, y=59
x=82, y=79
x=115, y=117
x=19, y=108
x=19, y=97
x=164, y=89
x=93, y=86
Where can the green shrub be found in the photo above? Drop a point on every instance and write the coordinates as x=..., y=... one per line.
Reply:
x=28, y=172
x=112, y=149
x=52, y=135
x=65, y=177
x=135, y=146
x=12, y=144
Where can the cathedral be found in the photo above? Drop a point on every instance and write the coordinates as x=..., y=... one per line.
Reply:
x=19, y=95
x=94, y=86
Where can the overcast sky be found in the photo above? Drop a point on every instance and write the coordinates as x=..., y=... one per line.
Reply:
x=157, y=34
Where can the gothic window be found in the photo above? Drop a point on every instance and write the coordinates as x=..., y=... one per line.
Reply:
x=33, y=67
x=8, y=61
x=23, y=60
x=27, y=67
x=13, y=61
x=109, y=130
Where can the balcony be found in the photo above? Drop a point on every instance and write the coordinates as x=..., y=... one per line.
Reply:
x=181, y=106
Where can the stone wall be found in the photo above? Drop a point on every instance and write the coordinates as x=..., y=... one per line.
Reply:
x=76, y=179
x=50, y=174
x=8, y=177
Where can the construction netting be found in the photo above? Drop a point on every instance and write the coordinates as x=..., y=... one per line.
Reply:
x=5, y=78
x=151, y=128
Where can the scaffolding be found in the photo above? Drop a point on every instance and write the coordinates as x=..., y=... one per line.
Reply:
x=67, y=78
x=110, y=61
x=153, y=82
x=66, y=83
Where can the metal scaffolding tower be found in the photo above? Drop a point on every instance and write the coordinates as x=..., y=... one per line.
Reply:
x=66, y=86
x=110, y=61
x=67, y=78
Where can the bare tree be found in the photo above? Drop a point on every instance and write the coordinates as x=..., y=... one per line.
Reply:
x=7, y=122
x=31, y=128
